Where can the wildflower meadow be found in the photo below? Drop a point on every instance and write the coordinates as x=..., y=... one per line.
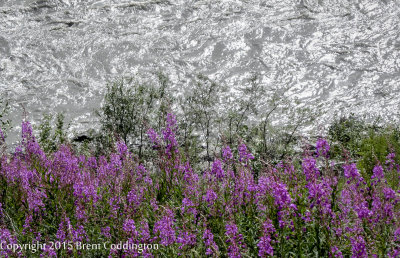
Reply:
x=68, y=205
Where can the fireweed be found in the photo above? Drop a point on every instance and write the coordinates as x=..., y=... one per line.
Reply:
x=297, y=207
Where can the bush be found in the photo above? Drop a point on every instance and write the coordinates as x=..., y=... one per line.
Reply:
x=5, y=124
x=50, y=140
x=375, y=148
x=347, y=133
x=205, y=118
x=364, y=142
x=200, y=108
x=129, y=108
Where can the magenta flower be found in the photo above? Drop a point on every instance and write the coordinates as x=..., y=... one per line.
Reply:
x=217, y=169
x=106, y=232
x=377, y=172
x=336, y=252
x=390, y=162
x=122, y=148
x=164, y=228
x=310, y=169
x=244, y=154
x=210, y=197
x=169, y=136
x=227, y=154
x=359, y=248
x=389, y=193
x=235, y=241
x=129, y=227
x=211, y=246
x=282, y=196
x=154, y=137
x=322, y=148
x=188, y=206
x=264, y=245
x=351, y=172
x=186, y=239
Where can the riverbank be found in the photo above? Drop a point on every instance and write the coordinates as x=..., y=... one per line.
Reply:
x=233, y=208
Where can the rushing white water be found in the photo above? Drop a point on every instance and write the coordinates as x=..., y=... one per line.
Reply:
x=334, y=55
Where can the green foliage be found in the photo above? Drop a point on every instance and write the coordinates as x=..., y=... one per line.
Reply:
x=206, y=117
x=5, y=124
x=200, y=108
x=241, y=108
x=129, y=108
x=365, y=142
x=121, y=110
x=109, y=197
x=273, y=143
x=50, y=138
x=375, y=147
x=347, y=133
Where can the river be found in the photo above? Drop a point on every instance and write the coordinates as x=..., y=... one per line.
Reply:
x=335, y=56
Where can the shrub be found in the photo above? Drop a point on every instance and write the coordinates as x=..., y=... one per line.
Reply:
x=375, y=148
x=347, y=133
x=129, y=108
x=5, y=124
x=200, y=108
x=367, y=143
x=48, y=139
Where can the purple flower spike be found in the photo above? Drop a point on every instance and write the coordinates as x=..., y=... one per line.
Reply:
x=122, y=148
x=211, y=246
x=210, y=197
x=264, y=245
x=227, y=154
x=310, y=169
x=235, y=241
x=351, y=172
x=377, y=172
x=154, y=137
x=244, y=155
x=358, y=247
x=165, y=229
x=217, y=169
x=322, y=148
